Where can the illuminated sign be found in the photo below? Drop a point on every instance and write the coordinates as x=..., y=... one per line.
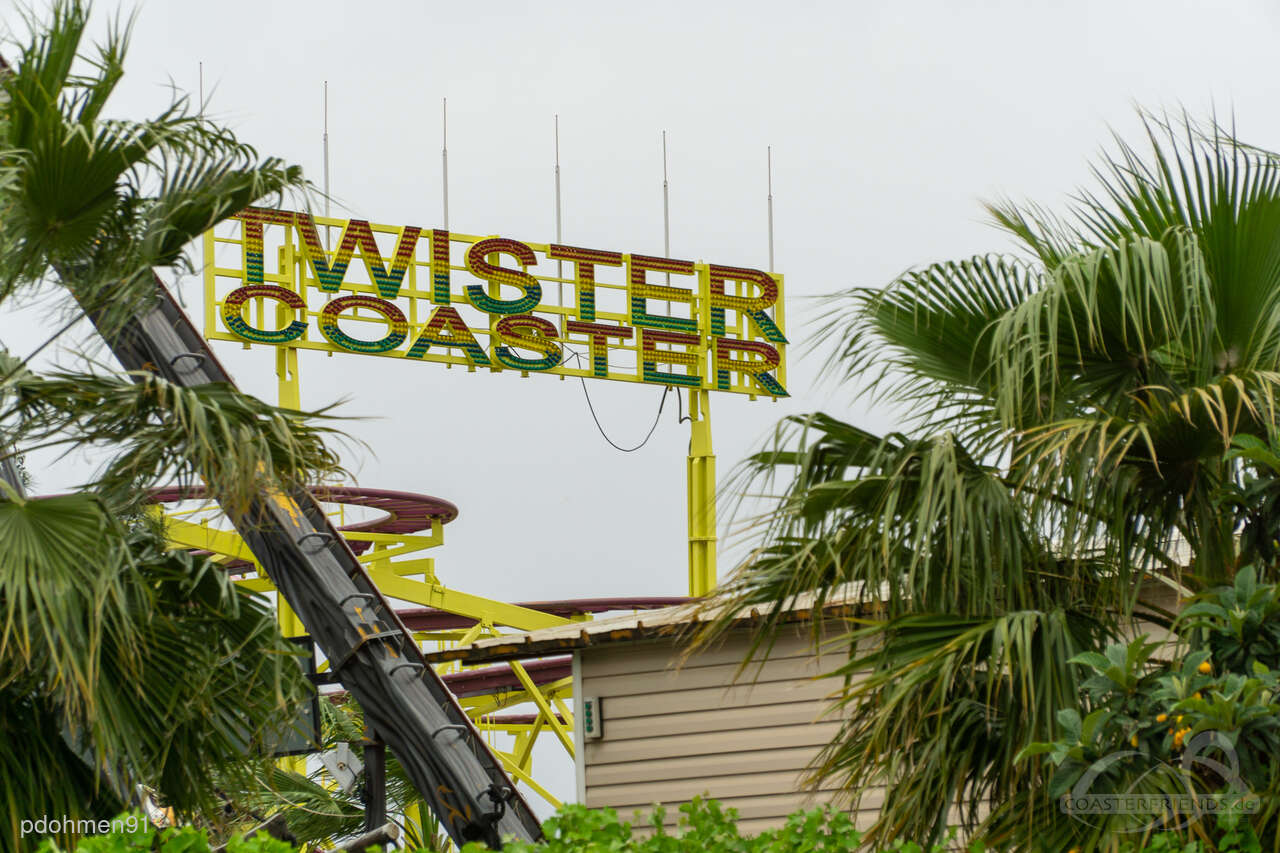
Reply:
x=492, y=302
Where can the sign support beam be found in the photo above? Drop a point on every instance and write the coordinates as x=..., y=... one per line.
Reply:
x=701, y=479
x=290, y=397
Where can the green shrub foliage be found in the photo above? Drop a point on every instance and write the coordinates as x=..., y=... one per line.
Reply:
x=1203, y=722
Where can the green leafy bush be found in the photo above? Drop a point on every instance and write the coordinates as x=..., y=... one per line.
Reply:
x=703, y=826
x=1206, y=723
x=1241, y=623
x=1234, y=836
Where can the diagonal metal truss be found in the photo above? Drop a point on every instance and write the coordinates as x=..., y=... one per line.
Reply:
x=390, y=547
x=368, y=646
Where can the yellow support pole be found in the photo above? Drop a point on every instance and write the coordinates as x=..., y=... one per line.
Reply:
x=290, y=398
x=701, y=482
x=287, y=374
x=522, y=752
x=290, y=393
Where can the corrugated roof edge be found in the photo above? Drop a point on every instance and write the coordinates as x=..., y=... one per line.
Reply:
x=649, y=625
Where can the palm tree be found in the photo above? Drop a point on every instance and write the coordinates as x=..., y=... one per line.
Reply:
x=122, y=663
x=1074, y=405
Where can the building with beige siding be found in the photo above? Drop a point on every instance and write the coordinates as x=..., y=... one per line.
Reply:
x=667, y=725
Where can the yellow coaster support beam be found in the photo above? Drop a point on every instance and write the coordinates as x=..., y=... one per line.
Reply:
x=545, y=711
x=290, y=398
x=227, y=543
x=482, y=706
x=701, y=480
x=522, y=775
x=522, y=754
x=474, y=606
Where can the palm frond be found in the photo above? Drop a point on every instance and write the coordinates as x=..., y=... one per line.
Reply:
x=40, y=774
x=164, y=431
x=62, y=589
x=936, y=706
x=890, y=521
x=925, y=340
x=1068, y=440
x=150, y=666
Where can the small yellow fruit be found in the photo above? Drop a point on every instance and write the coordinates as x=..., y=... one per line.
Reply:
x=1177, y=739
x=1161, y=718
x=1134, y=740
x=1195, y=695
x=1206, y=668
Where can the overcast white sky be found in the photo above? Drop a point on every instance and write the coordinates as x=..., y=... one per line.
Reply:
x=889, y=122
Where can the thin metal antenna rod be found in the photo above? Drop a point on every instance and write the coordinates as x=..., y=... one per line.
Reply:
x=770, y=161
x=326, y=162
x=666, y=212
x=559, y=264
x=444, y=155
x=666, y=202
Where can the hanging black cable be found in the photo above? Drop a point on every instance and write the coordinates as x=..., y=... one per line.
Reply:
x=656, y=419
x=680, y=410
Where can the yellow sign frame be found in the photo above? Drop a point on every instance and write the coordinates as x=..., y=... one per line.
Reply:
x=721, y=331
